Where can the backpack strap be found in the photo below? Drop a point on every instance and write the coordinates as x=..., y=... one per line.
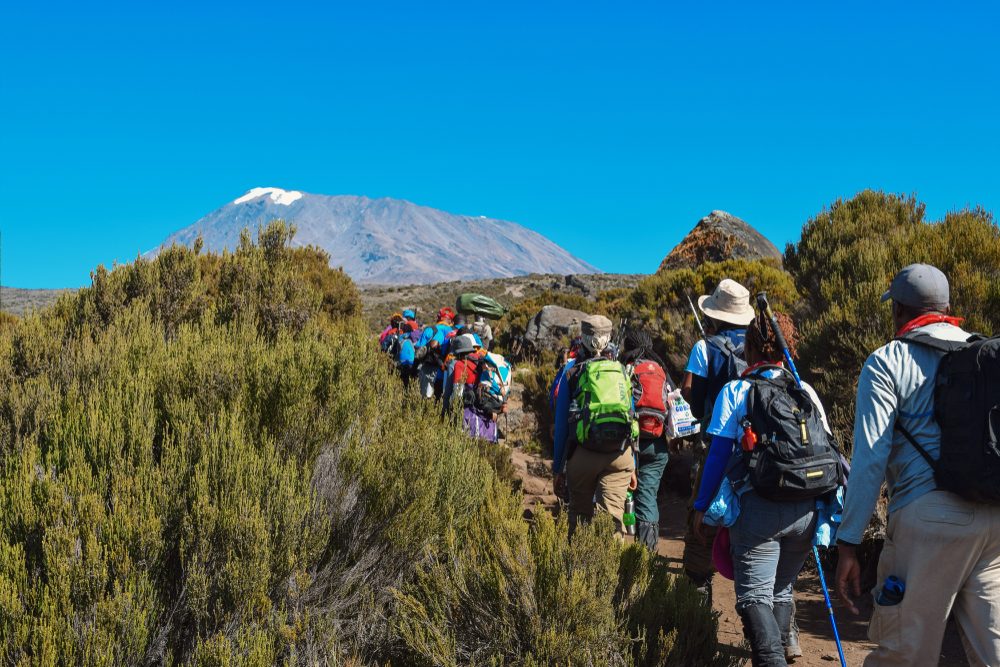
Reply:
x=722, y=343
x=916, y=445
x=926, y=340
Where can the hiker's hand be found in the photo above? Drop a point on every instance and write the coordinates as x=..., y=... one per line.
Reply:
x=633, y=483
x=559, y=484
x=699, y=523
x=848, y=577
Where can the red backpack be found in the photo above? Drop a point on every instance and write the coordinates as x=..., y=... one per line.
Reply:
x=651, y=404
x=465, y=371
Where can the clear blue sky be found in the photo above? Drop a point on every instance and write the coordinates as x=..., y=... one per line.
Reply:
x=609, y=127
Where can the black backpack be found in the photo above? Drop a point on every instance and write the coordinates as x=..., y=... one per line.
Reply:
x=967, y=408
x=794, y=458
x=732, y=368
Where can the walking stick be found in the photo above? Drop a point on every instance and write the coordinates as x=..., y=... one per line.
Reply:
x=765, y=308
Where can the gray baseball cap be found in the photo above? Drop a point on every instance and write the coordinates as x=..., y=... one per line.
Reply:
x=919, y=286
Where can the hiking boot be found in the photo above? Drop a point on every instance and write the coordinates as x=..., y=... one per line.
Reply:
x=703, y=584
x=784, y=614
x=762, y=631
x=648, y=534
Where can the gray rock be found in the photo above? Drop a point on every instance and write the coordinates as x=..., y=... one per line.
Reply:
x=551, y=324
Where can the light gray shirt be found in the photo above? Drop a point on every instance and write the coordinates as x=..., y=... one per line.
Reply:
x=896, y=383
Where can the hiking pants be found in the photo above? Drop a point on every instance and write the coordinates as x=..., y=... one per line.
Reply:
x=479, y=424
x=606, y=474
x=947, y=552
x=698, y=556
x=770, y=542
x=653, y=457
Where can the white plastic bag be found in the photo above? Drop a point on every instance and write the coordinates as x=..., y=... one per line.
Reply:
x=680, y=423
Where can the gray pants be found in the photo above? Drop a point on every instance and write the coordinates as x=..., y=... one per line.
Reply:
x=428, y=376
x=770, y=542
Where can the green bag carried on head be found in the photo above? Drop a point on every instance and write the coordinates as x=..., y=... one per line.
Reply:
x=478, y=304
x=603, y=409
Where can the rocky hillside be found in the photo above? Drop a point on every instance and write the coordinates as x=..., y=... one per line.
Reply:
x=21, y=301
x=717, y=237
x=387, y=241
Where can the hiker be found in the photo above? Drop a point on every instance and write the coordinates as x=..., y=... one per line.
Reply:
x=461, y=384
x=405, y=354
x=771, y=443
x=431, y=352
x=589, y=456
x=944, y=547
x=652, y=384
x=410, y=317
x=387, y=338
x=714, y=361
x=483, y=329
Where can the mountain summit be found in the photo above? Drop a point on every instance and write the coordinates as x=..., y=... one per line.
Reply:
x=388, y=241
x=717, y=237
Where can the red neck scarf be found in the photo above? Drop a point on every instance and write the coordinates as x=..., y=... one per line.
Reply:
x=929, y=318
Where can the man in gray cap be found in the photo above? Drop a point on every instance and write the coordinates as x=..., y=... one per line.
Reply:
x=945, y=549
x=605, y=469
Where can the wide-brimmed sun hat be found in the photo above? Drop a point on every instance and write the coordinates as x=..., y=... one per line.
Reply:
x=729, y=303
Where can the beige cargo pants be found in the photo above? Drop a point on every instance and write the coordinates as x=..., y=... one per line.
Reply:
x=606, y=474
x=947, y=551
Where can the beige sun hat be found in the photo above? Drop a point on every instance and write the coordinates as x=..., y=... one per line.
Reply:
x=729, y=303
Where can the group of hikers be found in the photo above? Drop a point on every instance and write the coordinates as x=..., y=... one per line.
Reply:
x=452, y=362
x=770, y=483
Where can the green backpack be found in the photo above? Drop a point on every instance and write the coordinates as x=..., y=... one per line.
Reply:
x=605, y=418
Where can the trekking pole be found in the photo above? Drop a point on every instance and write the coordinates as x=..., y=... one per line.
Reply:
x=765, y=308
x=696, y=318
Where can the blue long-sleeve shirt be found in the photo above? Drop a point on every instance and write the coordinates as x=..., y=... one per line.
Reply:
x=719, y=453
x=561, y=432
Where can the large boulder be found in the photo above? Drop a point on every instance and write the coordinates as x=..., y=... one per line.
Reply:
x=717, y=237
x=551, y=324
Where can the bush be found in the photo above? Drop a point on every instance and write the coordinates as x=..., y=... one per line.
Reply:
x=204, y=461
x=846, y=259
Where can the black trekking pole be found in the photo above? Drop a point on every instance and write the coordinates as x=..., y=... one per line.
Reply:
x=764, y=307
x=696, y=318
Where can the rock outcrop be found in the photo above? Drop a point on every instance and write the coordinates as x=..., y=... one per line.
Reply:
x=551, y=324
x=717, y=237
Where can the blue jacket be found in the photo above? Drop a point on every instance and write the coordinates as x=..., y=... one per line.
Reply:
x=561, y=433
x=438, y=332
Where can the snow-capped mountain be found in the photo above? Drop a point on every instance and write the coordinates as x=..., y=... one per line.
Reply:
x=388, y=240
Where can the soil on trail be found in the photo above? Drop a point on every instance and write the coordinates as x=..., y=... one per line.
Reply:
x=815, y=636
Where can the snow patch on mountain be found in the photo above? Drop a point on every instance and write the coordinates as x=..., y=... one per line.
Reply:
x=278, y=196
x=387, y=241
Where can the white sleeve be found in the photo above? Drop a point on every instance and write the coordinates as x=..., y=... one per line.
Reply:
x=698, y=360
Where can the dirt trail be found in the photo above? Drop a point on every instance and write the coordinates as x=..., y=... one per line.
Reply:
x=816, y=638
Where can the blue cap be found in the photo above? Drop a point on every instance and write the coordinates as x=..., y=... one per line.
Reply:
x=409, y=314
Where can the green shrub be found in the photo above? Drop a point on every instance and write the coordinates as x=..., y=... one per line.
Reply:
x=846, y=259
x=203, y=460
